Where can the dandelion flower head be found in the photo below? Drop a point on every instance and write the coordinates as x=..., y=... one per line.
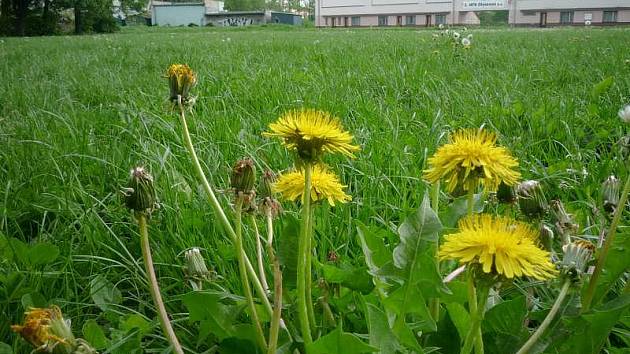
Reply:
x=325, y=185
x=36, y=328
x=500, y=246
x=311, y=133
x=471, y=159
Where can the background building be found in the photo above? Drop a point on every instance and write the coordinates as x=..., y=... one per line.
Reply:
x=351, y=13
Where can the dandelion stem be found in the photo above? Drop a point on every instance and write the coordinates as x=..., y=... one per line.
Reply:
x=309, y=273
x=303, y=257
x=216, y=206
x=243, y=272
x=277, y=288
x=259, y=256
x=434, y=303
x=471, y=202
x=601, y=260
x=153, y=284
x=477, y=305
x=552, y=313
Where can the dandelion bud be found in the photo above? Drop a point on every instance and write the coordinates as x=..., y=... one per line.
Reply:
x=506, y=194
x=610, y=194
x=531, y=199
x=140, y=194
x=196, y=267
x=243, y=176
x=265, y=187
x=564, y=221
x=546, y=237
x=180, y=80
x=624, y=114
x=577, y=254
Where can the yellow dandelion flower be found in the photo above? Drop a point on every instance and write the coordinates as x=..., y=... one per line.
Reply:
x=181, y=80
x=311, y=133
x=471, y=159
x=37, y=327
x=324, y=185
x=500, y=245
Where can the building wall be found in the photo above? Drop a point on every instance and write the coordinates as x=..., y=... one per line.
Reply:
x=178, y=15
x=570, y=4
x=236, y=20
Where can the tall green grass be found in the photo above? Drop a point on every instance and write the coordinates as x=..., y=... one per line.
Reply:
x=76, y=113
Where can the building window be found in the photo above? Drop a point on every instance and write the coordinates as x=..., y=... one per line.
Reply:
x=566, y=17
x=610, y=16
x=382, y=20
x=410, y=20
x=355, y=21
x=440, y=19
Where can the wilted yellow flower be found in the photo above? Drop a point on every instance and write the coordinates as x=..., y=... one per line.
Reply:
x=311, y=133
x=181, y=79
x=471, y=158
x=324, y=185
x=37, y=328
x=500, y=245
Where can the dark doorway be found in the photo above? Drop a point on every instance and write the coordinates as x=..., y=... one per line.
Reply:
x=399, y=21
x=345, y=21
x=543, y=19
x=428, y=21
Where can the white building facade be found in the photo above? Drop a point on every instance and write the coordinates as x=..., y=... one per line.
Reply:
x=361, y=13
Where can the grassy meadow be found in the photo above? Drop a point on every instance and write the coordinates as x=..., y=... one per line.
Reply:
x=78, y=112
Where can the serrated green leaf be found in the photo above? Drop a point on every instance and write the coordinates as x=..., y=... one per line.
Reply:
x=93, y=333
x=353, y=278
x=33, y=300
x=459, y=208
x=214, y=317
x=601, y=87
x=339, y=342
x=381, y=335
x=503, y=326
x=136, y=321
x=5, y=348
x=288, y=244
x=617, y=263
x=42, y=254
x=104, y=293
x=460, y=317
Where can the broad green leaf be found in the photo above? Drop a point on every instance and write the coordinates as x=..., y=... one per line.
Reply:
x=353, y=278
x=136, y=321
x=125, y=342
x=601, y=87
x=235, y=345
x=586, y=334
x=503, y=326
x=377, y=257
x=214, y=317
x=381, y=335
x=409, y=300
x=460, y=318
x=5, y=348
x=33, y=300
x=459, y=208
x=339, y=342
x=616, y=264
x=93, y=333
x=14, y=250
x=104, y=293
x=42, y=254
x=288, y=244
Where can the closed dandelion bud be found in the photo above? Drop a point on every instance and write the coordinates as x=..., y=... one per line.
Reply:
x=577, y=255
x=546, y=237
x=565, y=224
x=610, y=194
x=265, y=187
x=506, y=194
x=196, y=268
x=180, y=80
x=140, y=193
x=243, y=176
x=531, y=199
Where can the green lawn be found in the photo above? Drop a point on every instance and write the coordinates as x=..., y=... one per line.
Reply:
x=77, y=113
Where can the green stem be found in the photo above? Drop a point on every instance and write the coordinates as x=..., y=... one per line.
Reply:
x=601, y=260
x=434, y=303
x=259, y=256
x=552, y=313
x=477, y=310
x=216, y=206
x=309, y=272
x=277, y=288
x=260, y=336
x=153, y=284
x=303, y=258
x=471, y=202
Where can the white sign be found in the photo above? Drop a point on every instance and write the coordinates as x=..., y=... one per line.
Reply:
x=588, y=17
x=482, y=4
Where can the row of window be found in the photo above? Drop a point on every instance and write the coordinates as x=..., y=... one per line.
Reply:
x=409, y=20
x=566, y=17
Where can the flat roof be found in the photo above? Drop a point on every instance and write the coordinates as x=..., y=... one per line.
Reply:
x=180, y=4
x=228, y=13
